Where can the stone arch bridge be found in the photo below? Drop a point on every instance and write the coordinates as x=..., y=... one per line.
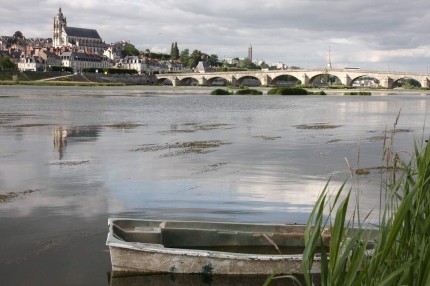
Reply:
x=306, y=76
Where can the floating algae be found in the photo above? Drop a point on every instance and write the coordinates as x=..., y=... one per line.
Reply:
x=11, y=195
x=180, y=148
x=317, y=126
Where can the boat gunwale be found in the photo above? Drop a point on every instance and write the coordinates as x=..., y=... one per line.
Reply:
x=112, y=241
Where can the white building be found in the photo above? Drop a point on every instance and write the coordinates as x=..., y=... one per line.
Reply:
x=143, y=65
x=79, y=61
x=280, y=66
x=232, y=61
x=33, y=63
x=174, y=66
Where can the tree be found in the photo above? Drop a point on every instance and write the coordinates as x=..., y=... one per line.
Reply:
x=160, y=56
x=183, y=57
x=174, y=51
x=129, y=50
x=213, y=61
x=18, y=38
x=246, y=64
x=7, y=64
x=194, y=58
x=18, y=35
x=264, y=65
x=147, y=53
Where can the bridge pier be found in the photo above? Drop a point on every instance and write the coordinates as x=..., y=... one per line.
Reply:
x=387, y=82
x=425, y=82
x=202, y=81
x=233, y=81
x=176, y=82
x=346, y=80
x=304, y=78
x=266, y=80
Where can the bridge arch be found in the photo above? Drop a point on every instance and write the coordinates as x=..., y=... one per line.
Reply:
x=248, y=80
x=407, y=82
x=188, y=81
x=285, y=80
x=217, y=81
x=365, y=81
x=324, y=79
x=164, y=81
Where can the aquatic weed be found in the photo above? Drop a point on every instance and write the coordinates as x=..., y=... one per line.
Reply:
x=317, y=126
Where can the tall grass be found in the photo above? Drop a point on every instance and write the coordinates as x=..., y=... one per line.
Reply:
x=400, y=245
x=394, y=252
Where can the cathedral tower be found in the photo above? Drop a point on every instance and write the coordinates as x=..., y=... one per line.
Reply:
x=60, y=22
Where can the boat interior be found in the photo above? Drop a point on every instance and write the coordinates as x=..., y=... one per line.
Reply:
x=215, y=236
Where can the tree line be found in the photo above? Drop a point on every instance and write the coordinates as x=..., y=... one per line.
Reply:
x=185, y=57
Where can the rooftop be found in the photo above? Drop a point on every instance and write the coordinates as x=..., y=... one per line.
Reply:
x=82, y=32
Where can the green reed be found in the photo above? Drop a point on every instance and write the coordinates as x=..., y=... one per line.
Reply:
x=397, y=253
x=394, y=252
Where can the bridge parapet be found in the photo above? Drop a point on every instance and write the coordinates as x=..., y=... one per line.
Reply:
x=346, y=76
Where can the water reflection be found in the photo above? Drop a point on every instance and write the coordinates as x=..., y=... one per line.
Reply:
x=60, y=141
x=200, y=280
x=252, y=179
x=77, y=134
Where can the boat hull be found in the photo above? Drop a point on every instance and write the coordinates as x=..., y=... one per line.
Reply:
x=136, y=258
x=133, y=262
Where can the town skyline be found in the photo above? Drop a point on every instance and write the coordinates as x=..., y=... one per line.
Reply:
x=384, y=36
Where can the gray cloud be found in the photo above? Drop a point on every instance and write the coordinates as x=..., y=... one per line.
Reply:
x=297, y=32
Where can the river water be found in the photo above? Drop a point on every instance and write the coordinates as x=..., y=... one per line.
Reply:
x=70, y=157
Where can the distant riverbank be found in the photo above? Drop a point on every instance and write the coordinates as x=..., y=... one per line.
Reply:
x=202, y=89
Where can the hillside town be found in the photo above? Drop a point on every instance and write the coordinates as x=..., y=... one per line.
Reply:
x=78, y=50
x=82, y=51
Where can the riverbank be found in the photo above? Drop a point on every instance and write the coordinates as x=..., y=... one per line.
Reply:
x=60, y=83
x=209, y=89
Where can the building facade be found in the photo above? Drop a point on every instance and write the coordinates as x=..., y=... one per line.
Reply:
x=79, y=61
x=32, y=63
x=143, y=65
x=87, y=40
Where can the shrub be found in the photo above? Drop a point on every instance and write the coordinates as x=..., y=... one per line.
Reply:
x=249, y=91
x=110, y=70
x=339, y=86
x=287, y=91
x=357, y=93
x=228, y=69
x=304, y=86
x=61, y=68
x=318, y=93
x=120, y=71
x=220, y=91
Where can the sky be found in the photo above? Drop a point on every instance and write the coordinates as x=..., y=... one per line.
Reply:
x=391, y=35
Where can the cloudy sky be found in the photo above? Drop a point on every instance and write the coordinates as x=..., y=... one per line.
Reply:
x=370, y=34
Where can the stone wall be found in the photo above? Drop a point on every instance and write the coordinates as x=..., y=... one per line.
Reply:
x=125, y=78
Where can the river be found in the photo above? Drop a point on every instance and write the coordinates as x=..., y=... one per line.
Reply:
x=70, y=157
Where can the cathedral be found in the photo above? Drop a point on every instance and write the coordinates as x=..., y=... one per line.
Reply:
x=81, y=39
